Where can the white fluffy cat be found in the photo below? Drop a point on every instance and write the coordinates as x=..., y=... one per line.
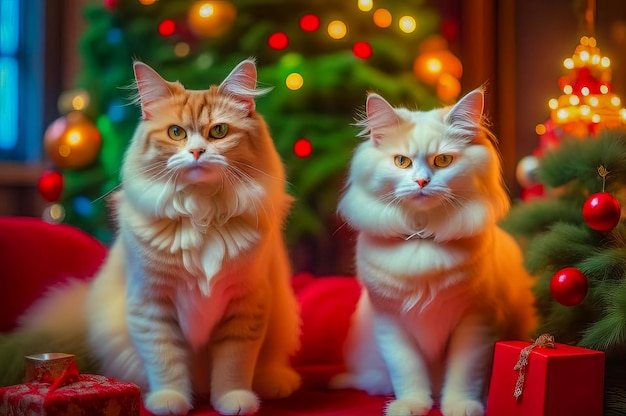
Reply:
x=441, y=282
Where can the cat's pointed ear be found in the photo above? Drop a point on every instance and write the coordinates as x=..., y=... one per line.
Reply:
x=150, y=86
x=241, y=83
x=380, y=117
x=468, y=111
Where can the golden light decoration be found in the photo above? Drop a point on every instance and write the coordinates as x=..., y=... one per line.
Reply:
x=294, y=81
x=182, y=49
x=407, y=24
x=54, y=213
x=435, y=65
x=382, y=18
x=147, y=2
x=337, y=29
x=365, y=5
x=211, y=19
x=587, y=103
x=448, y=88
x=72, y=141
x=73, y=100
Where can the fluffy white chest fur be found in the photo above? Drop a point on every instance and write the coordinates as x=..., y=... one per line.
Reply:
x=416, y=281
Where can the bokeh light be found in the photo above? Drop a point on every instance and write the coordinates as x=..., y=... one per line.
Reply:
x=167, y=27
x=362, y=50
x=182, y=49
x=294, y=81
x=114, y=36
x=302, y=148
x=278, y=40
x=540, y=129
x=309, y=22
x=337, y=29
x=407, y=24
x=365, y=5
x=147, y=2
x=211, y=18
x=382, y=18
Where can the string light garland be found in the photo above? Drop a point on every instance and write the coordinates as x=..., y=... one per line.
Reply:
x=586, y=106
x=437, y=67
x=587, y=103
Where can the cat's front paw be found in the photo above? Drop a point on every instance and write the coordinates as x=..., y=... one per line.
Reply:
x=276, y=382
x=409, y=407
x=167, y=402
x=237, y=402
x=465, y=407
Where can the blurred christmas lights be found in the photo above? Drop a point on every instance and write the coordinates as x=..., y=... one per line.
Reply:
x=337, y=29
x=382, y=18
x=302, y=148
x=309, y=22
x=407, y=24
x=167, y=27
x=362, y=50
x=587, y=103
x=211, y=18
x=278, y=40
x=294, y=81
x=365, y=5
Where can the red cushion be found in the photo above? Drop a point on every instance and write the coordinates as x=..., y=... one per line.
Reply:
x=35, y=254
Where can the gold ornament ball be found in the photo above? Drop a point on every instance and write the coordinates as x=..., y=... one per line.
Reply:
x=211, y=19
x=72, y=142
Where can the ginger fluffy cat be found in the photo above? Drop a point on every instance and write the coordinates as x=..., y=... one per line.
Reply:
x=194, y=297
x=441, y=282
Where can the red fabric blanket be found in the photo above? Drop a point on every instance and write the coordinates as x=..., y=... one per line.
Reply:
x=35, y=255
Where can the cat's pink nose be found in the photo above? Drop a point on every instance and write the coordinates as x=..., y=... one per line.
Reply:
x=196, y=153
x=421, y=182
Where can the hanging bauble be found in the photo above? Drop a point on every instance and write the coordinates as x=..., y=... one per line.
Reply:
x=50, y=185
x=72, y=141
x=526, y=171
x=569, y=286
x=601, y=211
x=211, y=19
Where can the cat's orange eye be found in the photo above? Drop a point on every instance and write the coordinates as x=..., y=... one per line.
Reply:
x=176, y=133
x=219, y=131
x=402, y=162
x=443, y=160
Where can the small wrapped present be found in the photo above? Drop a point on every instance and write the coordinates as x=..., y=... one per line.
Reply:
x=545, y=378
x=54, y=387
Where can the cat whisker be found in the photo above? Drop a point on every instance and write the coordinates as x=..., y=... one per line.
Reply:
x=261, y=172
x=343, y=224
x=106, y=194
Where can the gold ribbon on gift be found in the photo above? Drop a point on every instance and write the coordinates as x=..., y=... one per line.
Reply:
x=544, y=340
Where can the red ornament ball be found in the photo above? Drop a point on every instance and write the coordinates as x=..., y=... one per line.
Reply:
x=50, y=185
x=569, y=286
x=601, y=211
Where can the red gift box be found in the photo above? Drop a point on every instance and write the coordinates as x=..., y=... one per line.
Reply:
x=559, y=381
x=88, y=395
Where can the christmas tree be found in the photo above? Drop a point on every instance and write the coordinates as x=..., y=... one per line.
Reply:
x=572, y=226
x=320, y=58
